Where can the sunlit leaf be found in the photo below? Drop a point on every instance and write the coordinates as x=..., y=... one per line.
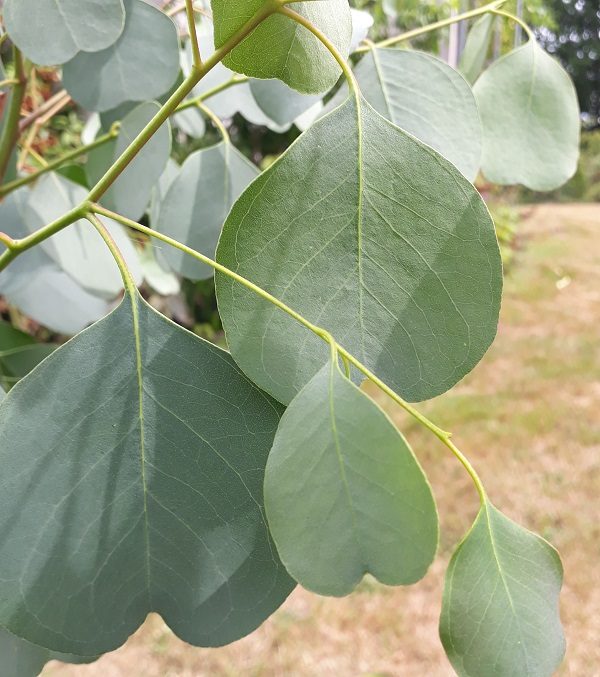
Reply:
x=53, y=31
x=197, y=203
x=425, y=97
x=280, y=48
x=151, y=502
x=344, y=494
x=472, y=59
x=361, y=23
x=141, y=65
x=530, y=118
x=365, y=231
x=500, y=613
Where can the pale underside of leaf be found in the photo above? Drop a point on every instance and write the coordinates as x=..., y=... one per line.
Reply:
x=372, y=235
x=137, y=488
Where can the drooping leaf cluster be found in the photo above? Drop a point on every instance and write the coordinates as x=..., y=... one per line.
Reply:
x=148, y=470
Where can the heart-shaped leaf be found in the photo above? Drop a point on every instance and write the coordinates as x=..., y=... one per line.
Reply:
x=136, y=487
x=424, y=96
x=281, y=48
x=374, y=236
x=530, y=118
x=477, y=45
x=53, y=31
x=500, y=611
x=197, y=203
x=78, y=249
x=141, y=65
x=344, y=493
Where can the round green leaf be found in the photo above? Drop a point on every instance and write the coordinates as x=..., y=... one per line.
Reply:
x=197, y=203
x=374, y=236
x=530, y=118
x=472, y=59
x=141, y=65
x=500, y=615
x=344, y=493
x=51, y=32
x=136, y=487
x=281, y=48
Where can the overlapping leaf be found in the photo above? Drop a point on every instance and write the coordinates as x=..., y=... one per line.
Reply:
x=197, y=203
x=19, y=354
x=141, y=65
x=53, y=31
x=500, y=613
x=472, y=59
x=136, y=487
x=280, y=48
x=78, y=249
x=424, y=96
x=530, y=118
x=374, y=236
x=344, y=494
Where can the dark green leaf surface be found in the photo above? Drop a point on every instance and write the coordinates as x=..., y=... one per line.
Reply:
x=51, y=32
x=280, y=48
x=141, y=65
x=425, y=97
x=374, y=236
x=477, y=46
x=136, y=487
x=344, y=493
x=530, y=118
x=500, y=615
x=197, y=203
x=19, y=354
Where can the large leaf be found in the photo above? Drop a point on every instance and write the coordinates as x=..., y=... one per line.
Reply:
x=425, y=97
x=141, y=65
x=54, y=31
x=38, y=287
x=131, y=192
x=281, y=48
x=500, y=615
x=78, y=249
x=530, y=118
x=19, y=354
x=367, y=232
x=136, y=487
x=472, y=59
x=197, y=203
x=344, y=494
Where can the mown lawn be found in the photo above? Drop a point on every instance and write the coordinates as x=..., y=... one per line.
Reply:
x=529, y=419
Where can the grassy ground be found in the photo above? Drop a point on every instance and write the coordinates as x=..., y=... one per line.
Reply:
x=529, y=419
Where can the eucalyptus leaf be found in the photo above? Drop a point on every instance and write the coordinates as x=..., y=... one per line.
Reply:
x=530, y=118
x=280, y=102
x=500, y=614
x=281, y=48
x=131, y=192
x=197, y=203
x=151, y=502
x=339, y=467
x=425, y=97
x=78, y=249
x=141, y=65
x=161, y=280
x=477, y=46
x=369, y=233
x=190, y=122
x=51, y=32
x=19, y=353
x=361, y=24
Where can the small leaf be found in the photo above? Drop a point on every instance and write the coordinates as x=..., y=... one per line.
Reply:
x=344, y=493
x=136, y=487
x=361, y=24
x=162, y=281
x=198, y=201
x=280, y=48
x=141, y=65
x=50, y=32
x=78, y=249
x=279, y=102
x=367, y=232
x=441, y=112
x=472, y=59
x=500, y=615
x=530, y=118
x=19, y=353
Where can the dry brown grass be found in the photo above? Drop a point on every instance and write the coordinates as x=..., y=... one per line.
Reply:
x=529, y=418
